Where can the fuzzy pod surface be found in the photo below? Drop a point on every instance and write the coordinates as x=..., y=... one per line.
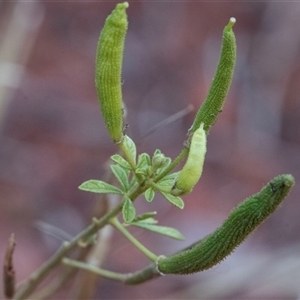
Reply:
x=192, y=170
x=239, y=224
x=109, y=60
x=220, y=85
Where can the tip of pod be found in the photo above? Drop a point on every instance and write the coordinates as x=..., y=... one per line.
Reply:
x=231, y=22
x=288, y=180
x=123, y=5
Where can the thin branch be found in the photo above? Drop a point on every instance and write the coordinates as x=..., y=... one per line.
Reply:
x=91, y=268
x=54, y=285
x=115, y=222
x=8, y=269
x=141, y=276
x=43, y=271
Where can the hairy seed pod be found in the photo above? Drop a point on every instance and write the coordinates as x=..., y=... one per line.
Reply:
x=239, y=224
x=109, y=68
x=217, y=93
x=192, y=170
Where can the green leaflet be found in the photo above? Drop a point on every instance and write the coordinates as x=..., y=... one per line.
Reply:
x=214, y=101
x=148, y=216
x=128, y=211
x=164, y=230
x=149, y=194
x=175, y=200
x=99, y=186
x=120, y=161
x=109, y=59
x=122, y=175
x=240, y=223
x=130, y=148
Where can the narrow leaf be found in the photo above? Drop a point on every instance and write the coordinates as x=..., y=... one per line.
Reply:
x=98, y=186
x=128, y=211
x=171, y=176
x=157, y=151
x=177, y=201
x=143, y=160
x=133, y=182
x=168, y=160
x=167, y=182
x=130, y=146
x=165, y=185
x=145, y=217
x=142, y=171
x=150, y=221
x=149, y=195
x=120, y=161
x=121, y=175
x=167, y=231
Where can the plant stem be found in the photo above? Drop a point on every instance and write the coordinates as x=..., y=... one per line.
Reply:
x=42, y=272
x=54, y=285
x=115, y=222
x=96, y=270
x=143, y=275
x=140, y=276
x=36, y=277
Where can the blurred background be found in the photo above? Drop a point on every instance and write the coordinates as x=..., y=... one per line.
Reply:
x=53, y=137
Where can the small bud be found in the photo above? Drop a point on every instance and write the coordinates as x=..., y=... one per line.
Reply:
x=158, y=161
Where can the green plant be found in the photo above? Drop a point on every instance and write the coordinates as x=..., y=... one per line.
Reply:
x=146, y=176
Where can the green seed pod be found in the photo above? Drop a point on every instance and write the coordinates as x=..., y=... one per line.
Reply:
x=192, y=170
x=108, y=70
x=217, y=93
x=240, y=223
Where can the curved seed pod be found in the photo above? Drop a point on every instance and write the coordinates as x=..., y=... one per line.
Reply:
x=108, y=70
x=214, y=101
x=240, y=223
x=192, y=170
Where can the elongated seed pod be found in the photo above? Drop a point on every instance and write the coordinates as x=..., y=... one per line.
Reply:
x=240, y=223
x=217, y=93
x=109, y=68
x=192, y=170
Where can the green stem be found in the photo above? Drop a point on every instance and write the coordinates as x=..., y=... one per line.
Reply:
x=29, y=286
x=115, y=222
x=140, y=276
x=55, y=284
x=43, y=271
x=96, y=270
